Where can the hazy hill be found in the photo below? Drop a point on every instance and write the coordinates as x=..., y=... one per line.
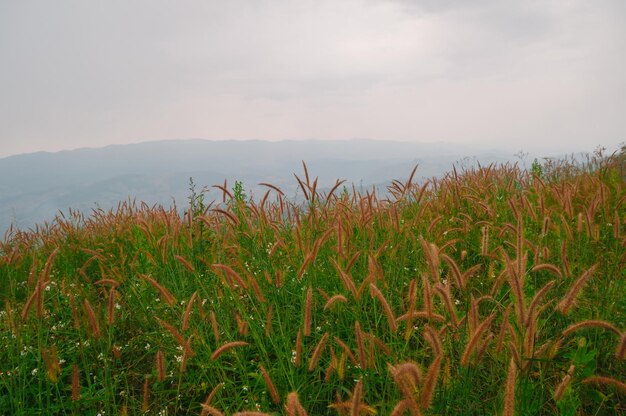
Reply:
x=35, y=186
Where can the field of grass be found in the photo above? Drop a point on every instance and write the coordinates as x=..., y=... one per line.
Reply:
x=492, y=290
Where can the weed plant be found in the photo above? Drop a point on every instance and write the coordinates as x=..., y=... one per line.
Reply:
x=491, y=290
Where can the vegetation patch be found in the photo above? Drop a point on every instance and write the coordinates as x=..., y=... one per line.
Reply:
x=491, y=290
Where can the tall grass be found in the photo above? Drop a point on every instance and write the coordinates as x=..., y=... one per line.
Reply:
x=489, y=290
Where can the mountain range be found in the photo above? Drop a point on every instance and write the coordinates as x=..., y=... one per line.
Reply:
x=35, y=187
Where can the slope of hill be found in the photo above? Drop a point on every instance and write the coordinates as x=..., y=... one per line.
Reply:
x=490, y=290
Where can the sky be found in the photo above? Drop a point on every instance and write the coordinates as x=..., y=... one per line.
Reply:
x=509, y=74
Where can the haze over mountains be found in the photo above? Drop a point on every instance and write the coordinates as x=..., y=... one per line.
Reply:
x=35, y=187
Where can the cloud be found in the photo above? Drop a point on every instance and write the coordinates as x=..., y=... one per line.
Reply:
x=83, y=73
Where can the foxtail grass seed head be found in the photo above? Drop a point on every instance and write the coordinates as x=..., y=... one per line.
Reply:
x=456, y=271
x=530, y=314
x=610, y=382
x=509, y=390
x=75, y=383
x=402, y=406
x=51, y=359
x=484, y=243
x=308, y=313
x=376, y=293
x=568, y=300
x=268, y=321
x=293, y=407
x=430, y=383
x=146, y=395
x=334, y=299
x=565, y=382
x=185, y=344
x=160, y=365
x=215, y=326
x=242, y=325
x=319, y=348
x=474, y=339
x=361, y=346
x=590, y=323
x=356, y=398
x=208, y=410
x=226, y=347
x=298, y=351
x=185, y=263
x=93, y=322
x=433, y=338
x=29, y=303
x=270, y=385
x=579, y=223
x=483, y=347
x=348, y=353
x=187, y=314
x=164, y=292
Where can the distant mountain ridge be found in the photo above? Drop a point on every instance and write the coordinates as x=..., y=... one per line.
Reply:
x=36, y=186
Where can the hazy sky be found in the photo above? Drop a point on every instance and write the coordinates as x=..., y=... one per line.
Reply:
x=509, y=73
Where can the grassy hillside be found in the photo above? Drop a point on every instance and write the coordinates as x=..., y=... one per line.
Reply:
x=34, y=187
x=489, y=291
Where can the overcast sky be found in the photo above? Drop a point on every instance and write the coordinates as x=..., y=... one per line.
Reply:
x=516, y=74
